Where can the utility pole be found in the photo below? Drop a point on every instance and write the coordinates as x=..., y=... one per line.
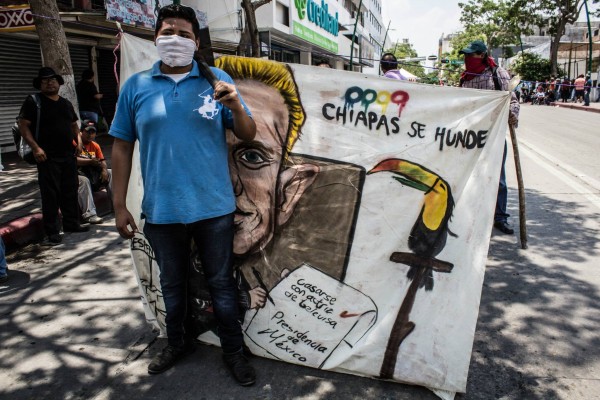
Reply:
x=386, y=33
x=354, y=35
x=53, y=44
x=587, y=13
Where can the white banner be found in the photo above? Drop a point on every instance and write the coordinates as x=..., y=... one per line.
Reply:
x=365, y=207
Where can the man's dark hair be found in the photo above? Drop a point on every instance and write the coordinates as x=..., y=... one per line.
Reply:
x=87, y=74
x=388, y=62
x=178, y=11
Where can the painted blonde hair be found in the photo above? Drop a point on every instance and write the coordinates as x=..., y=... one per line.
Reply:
x=276, y=75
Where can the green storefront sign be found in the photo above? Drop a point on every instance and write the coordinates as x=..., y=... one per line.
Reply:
x=318, y=15
x=311, y=36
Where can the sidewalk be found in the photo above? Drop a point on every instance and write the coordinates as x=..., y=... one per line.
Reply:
x=593, y=107
x=20, y=202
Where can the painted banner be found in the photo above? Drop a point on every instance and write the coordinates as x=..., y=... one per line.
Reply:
x=16, y=18
x=364, y=209
x=143, y=13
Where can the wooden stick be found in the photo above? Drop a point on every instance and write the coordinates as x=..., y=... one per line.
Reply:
x=522, y=219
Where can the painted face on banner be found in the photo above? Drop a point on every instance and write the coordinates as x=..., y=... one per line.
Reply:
x=255, y=166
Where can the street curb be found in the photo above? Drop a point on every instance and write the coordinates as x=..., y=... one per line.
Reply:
x=30, y=228
x=21, y=231
x=576, y=107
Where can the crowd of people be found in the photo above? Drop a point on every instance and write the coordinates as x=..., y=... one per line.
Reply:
x=552, y=90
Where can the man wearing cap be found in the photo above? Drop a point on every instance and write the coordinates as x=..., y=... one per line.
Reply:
x=389, y=67
x=481, y=72
x=93, y=172
x=54, y=153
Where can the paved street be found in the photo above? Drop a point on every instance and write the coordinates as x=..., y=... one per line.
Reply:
x=72, y=326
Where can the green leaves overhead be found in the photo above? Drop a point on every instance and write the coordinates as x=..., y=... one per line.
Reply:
x=504, y=22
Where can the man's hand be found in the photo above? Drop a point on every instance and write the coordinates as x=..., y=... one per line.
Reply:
x=258, y=297
x=125, y=223
x=39, y=154
x=513, y=119
x=227, y=95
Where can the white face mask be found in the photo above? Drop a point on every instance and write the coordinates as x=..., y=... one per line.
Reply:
x=175, y=51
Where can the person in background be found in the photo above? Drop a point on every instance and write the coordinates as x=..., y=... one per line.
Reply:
x=483, y=73
x=323, y=64
x=565, y=89
x=389, y=67
x=93, y=173
x=88, y=97
x=587, y=90
x=579, y=88
x=54, y=153
x=188, y=193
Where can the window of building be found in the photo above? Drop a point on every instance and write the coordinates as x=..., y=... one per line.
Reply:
x=282, y=14
x=285, y=55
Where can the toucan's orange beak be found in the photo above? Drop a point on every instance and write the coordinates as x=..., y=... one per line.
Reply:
x=391, y=164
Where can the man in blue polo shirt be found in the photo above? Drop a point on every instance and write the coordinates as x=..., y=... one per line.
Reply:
x=179, y=121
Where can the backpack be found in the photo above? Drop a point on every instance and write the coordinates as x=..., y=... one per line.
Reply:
x=23, y=148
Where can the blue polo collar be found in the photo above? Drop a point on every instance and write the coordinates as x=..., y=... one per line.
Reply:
x=195, y=72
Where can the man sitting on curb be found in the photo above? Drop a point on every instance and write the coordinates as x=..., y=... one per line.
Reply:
x=93, y=172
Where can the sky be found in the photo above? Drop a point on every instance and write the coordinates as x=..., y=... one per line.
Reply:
x=423, y=22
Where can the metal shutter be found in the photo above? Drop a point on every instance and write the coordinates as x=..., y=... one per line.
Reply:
x=20, y=60
x=80, y=60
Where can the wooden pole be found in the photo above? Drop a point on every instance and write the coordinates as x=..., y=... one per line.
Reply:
x=522, y=219
x=53, y=45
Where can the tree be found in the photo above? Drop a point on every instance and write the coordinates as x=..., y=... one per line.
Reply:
x=250, y=33
x=504, y=21
x=53, y=43
x=531, y=67
x=557, y=14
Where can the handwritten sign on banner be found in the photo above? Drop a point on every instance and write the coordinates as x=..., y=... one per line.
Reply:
x=337, y=314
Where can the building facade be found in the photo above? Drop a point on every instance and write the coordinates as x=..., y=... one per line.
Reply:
x=292, y=31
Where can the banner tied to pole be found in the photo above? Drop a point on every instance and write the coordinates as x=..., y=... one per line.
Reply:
x=364, y=210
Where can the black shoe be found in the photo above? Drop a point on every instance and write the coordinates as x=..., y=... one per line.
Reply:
x=504, y=227
x=241, y=370
x=77, y=228
x=167, y=358
x=52, y=240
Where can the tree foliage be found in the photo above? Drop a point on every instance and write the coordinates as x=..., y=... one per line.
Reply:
x=531, y=67
x=504, y=21
x=501, y=22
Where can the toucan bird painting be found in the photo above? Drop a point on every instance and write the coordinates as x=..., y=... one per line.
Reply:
x=427, y=239
x=430, y=231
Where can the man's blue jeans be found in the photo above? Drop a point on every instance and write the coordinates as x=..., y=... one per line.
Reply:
x=214, y=239
x=501, y=215
x=3, y=265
